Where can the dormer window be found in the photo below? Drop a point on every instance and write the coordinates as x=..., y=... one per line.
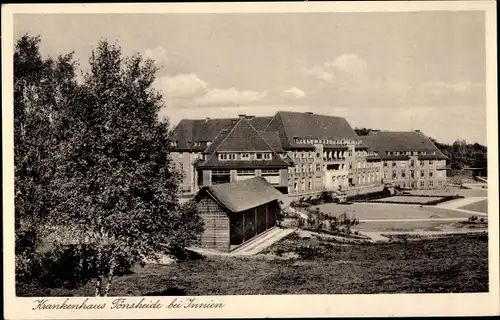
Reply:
x=245, y=156
x=227, y=156
x=267, y=156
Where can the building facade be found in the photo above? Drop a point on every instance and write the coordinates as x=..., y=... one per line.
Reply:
x=302, y=153
x=408, y=159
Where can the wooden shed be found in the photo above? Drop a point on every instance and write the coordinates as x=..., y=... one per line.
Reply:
x=235, y=213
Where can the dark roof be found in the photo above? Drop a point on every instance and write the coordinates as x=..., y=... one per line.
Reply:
x=273, y=139
x=216, y=142
x=291, y=125
x=260, y=123
x=189, y=131
x=243, y=137
x=385, y=141
x=242, y=195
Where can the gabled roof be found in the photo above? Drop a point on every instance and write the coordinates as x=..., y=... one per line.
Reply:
x=291, y=125
x=241, y=195
x=273, y=139
x=385, y=141
x=243, y=137
x=260, y=123
x=189, y=131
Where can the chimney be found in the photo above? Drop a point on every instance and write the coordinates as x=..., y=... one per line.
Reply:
x=206, y=119
x=416, y=130
x=250, y=117
x=309, y=112
x=242, y=116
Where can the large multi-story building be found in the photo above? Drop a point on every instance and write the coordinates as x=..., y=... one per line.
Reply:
x=302, y=153
x=408, y=159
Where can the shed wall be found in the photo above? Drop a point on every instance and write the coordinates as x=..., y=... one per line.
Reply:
x=216, y=234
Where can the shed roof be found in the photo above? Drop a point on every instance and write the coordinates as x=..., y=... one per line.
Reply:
x=241, y=195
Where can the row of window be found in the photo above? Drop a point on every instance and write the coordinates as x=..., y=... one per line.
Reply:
x=243, y=172
x=245, y=156
x=410, y=153
x=412, y=174
x=412, y=163
x=326, y=141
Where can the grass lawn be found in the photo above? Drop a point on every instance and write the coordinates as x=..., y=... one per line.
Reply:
x=450, y=191
x=453, y=264
x=421, y=200
x=375, y=211
x=403, y=226
x=481, y=206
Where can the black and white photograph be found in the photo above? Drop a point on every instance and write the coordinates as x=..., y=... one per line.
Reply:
x=184, y=155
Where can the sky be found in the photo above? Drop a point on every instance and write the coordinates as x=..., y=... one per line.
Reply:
x=384, y=70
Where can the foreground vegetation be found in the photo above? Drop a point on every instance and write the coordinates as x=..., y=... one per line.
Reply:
x=453, y=264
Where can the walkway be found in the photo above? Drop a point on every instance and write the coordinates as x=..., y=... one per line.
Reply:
x=458, y=203
x=250, y=248
x=260, y=243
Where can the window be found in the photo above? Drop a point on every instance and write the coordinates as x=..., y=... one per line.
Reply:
x=318, y=155
x=385, y=164
x=270, y=172
x=412, y=174
x=385, y=174
x=431, y=183
x=318, y=167
x=295, y=186
x=422, y=174
x=403, y=174
x=422, y=184
x=258, y=156
x=431, y=162
x=394, y=175
x=267, y=156
x=245, y=156
x=422, y=163
x=245, y=172
x=430, y=174
x=394, y=164
x=412, y=163
x=350, y=165
x=309, y=185
x=222, y=156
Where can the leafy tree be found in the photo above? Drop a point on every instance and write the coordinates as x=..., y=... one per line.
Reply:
x=42, y=91
x=117, y=183
x=93, y=164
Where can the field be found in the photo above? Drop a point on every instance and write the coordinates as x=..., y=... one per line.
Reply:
x=452, y=264
x=448, y=191
x=421, y=200
x=481, y=206
x=380, y=211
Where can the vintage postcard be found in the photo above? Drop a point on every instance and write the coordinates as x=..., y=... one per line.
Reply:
x=215, y=160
